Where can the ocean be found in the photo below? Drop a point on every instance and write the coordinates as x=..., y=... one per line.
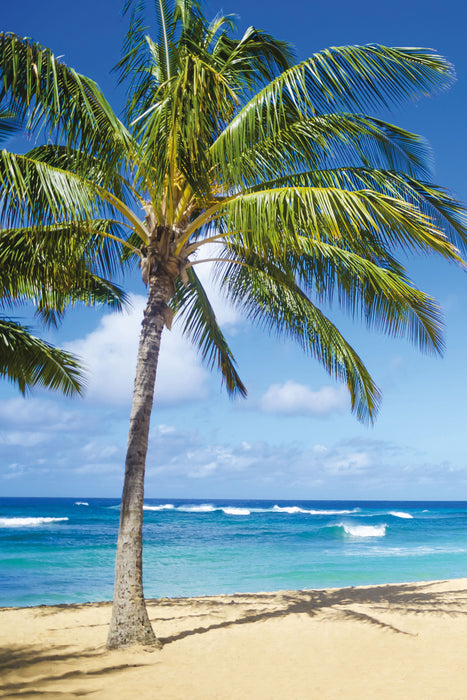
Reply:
x=61, y=550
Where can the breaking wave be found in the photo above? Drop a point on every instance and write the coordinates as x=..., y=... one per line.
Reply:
x=205, y=508
x=295, y=509
x=236, y=511
x=400, y=514
x=167, y=506
x=242, y=510
x=363, y=530
x=28, y=522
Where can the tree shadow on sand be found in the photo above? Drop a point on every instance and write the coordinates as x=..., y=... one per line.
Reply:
x=35, y=683
x=398, y=598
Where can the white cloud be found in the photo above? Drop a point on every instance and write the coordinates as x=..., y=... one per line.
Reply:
x=22, y=439
x=183, y=462
x=185, y=455
x=109, y=354
x=165, y=429
x=14, y=471
x=293, y=398
x=352, y=463
x=32, y=412
x=320, y=449
x=96, y=450
x=98, y=468
x=181, y=457
x=203, y=471
x=190, y=462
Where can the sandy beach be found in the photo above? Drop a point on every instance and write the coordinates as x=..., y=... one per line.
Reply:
x=393, y=641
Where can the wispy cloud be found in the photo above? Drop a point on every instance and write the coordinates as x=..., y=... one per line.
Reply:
x=182, y=462
x=292, y=398
x=26, y=413
x=22, y=438
x=186, y=462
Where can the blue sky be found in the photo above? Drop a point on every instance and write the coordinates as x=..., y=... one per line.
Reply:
x=294, y=436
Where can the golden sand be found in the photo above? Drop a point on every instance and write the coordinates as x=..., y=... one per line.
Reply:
x=406, y=641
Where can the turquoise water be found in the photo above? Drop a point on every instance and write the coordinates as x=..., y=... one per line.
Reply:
x=62, y=550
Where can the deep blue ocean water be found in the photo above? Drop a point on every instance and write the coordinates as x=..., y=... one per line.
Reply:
x=62, y=550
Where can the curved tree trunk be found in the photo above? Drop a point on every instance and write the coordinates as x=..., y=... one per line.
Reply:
x=130, y=622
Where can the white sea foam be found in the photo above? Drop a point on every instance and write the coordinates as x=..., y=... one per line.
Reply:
x=288, y=509
x=296, y=509
x=236, y=511
x=28, y=522
x=167, y=506
x=364, y=530
x=400, y=514
x=206, y=508
x=202, y=508
x=334, y=512
x=81, y=503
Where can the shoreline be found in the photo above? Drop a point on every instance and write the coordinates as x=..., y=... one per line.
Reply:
x=394, y=640
x=246, y=594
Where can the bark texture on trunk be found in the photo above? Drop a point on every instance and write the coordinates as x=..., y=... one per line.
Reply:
x=130, y=622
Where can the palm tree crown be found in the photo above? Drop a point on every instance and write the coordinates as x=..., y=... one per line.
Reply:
x=303, y=197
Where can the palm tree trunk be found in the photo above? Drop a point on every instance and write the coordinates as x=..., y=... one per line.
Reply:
x=130, y=622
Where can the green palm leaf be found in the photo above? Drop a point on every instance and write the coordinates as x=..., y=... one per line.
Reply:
x=34, y=192
x=338, y=79
x=53, y=96
x=28, y=361
x=448, y=214
x=383, y=297
x=200, y=325
x=276, y=218
x=324, y=142
x=277, y=304
x=9, y=123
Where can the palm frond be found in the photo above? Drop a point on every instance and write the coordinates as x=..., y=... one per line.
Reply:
x=51, y=307
x=34, y=192
x=435, y=203
x=338, y=79
x=58, y=266
x=192, y=305
x=385, y=298
x=28, y=361
x=96, y=170
x=52, y=96
x=328, y=141
x=274, y=219
x=133, y=66
x=373, y=290
x=9, y=123
x=273, y=300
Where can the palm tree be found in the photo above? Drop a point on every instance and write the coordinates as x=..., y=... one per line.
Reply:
x=226, y=142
